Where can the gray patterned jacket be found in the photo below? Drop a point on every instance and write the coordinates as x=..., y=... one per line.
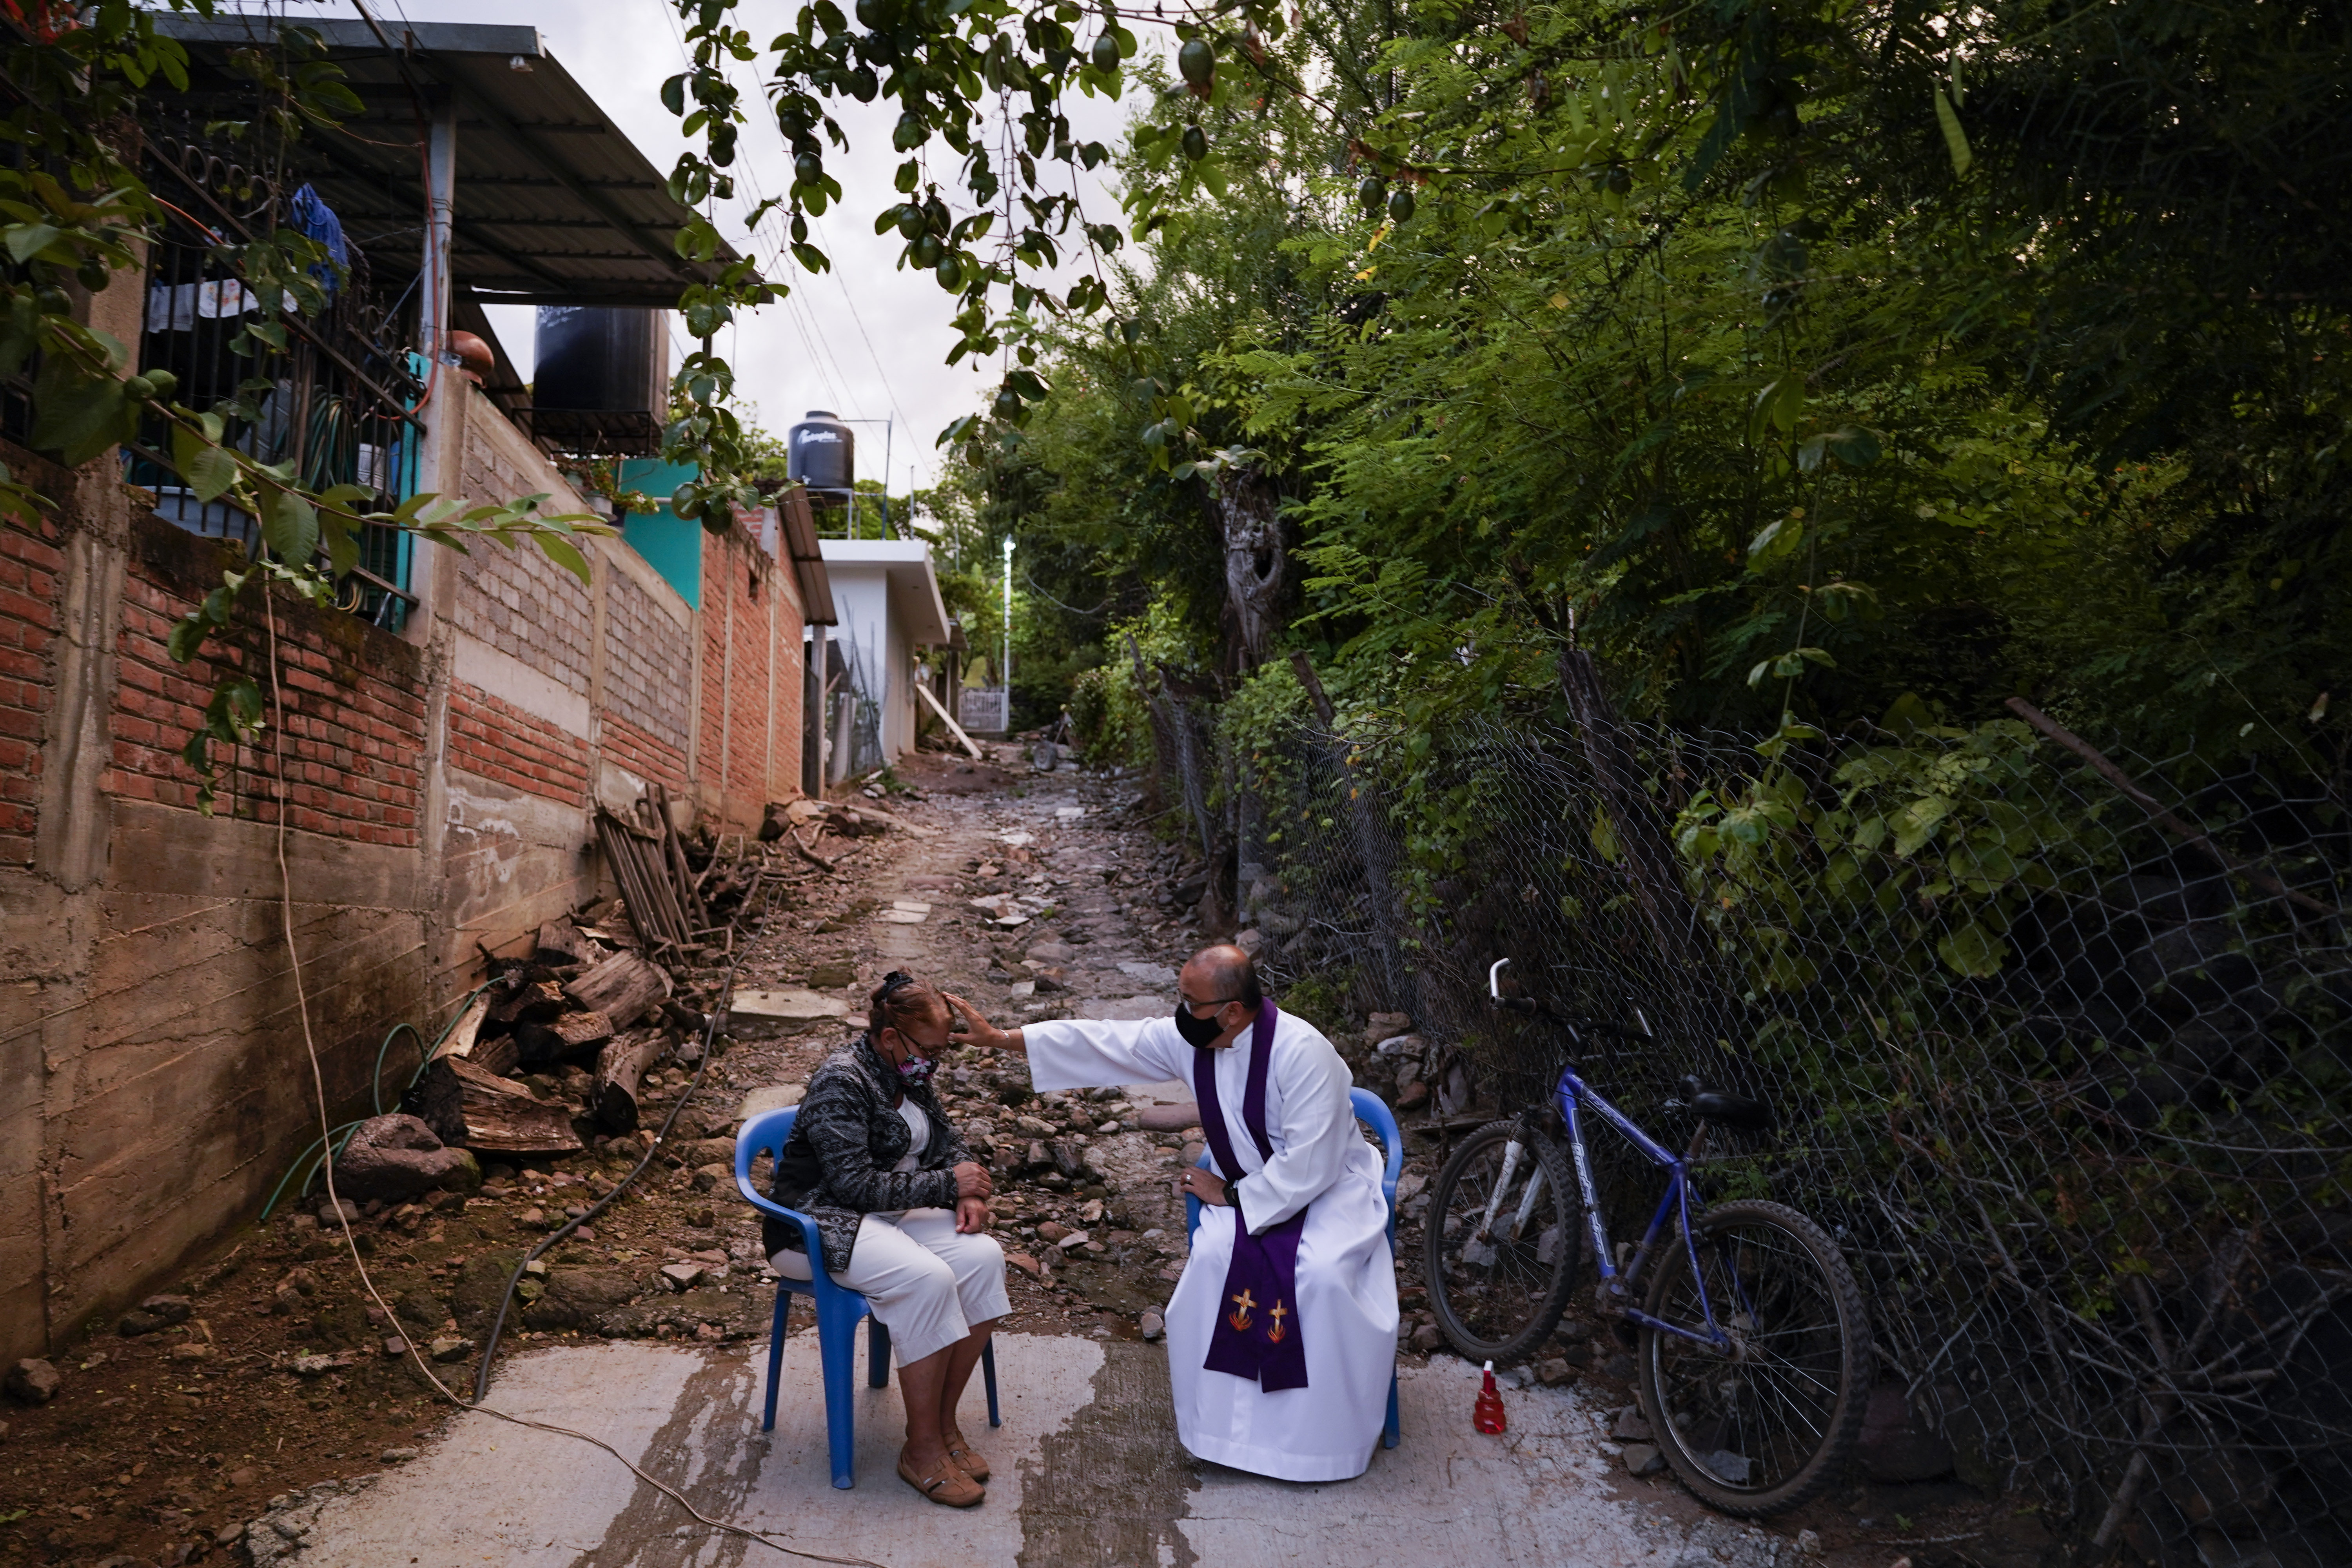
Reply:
x=835, y=1167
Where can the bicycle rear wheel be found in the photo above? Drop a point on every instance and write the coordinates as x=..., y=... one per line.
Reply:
x=1501, y=1250
x=1770, y=1424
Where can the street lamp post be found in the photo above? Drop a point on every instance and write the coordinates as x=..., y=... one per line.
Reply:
x=1008, y=634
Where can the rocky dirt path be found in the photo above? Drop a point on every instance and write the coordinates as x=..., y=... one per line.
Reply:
x=230, y=1433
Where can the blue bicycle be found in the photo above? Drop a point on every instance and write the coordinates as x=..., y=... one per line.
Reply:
x=1752, y=1344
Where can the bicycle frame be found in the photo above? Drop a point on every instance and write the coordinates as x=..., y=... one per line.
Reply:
x=1573, y=1092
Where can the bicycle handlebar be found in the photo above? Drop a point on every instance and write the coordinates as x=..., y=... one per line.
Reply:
x=1535, y=1006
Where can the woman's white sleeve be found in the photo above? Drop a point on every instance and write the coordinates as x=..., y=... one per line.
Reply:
x=1073, y=1054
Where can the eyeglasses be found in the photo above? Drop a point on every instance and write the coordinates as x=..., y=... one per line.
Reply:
x=1214, y=1002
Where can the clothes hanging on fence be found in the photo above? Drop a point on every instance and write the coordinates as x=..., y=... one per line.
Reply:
x=1322, y=1167
x=318, y=221
x=178, y=307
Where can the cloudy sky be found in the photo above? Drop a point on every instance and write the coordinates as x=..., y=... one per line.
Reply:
x=865, y=340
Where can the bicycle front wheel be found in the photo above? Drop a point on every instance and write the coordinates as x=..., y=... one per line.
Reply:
x=1767, y=1424
x=1501, y=1250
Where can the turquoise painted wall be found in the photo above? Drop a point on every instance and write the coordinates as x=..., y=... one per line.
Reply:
x=671, y=545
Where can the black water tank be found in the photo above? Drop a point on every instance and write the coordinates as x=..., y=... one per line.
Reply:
x=821, y=453
x=595, y=358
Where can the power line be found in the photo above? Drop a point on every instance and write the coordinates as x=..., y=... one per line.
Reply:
x=796, y=311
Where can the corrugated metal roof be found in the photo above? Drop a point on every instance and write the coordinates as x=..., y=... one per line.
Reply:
x=554, y=206
x=800, y=542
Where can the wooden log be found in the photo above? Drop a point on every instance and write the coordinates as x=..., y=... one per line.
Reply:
x=880, y=818
x=498, y=1056
x=621, y=988
x=620, y=1067
x=560, y=942
x=534, y=1004
x=810, y=854
x=459, y=1041
x=502, y=1117
x=580, y=1031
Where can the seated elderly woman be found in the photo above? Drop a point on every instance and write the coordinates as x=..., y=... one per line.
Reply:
x=901, y=1207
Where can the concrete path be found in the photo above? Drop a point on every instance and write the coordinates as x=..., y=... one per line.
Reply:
x=1088, y=1472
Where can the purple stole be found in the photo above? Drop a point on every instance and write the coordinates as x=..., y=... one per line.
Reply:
x=1257, y=1330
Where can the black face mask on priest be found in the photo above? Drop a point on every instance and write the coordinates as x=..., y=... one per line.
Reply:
x=1199, y=1031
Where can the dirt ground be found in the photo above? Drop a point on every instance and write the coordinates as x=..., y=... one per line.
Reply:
x=160, y=1445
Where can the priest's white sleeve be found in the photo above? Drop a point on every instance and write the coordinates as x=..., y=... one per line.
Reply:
x=1070, y=1053
x=1315, y=1134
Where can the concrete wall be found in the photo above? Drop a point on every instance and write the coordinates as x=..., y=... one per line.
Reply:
x=440, y=786
x=152, y=1065
x=875, y=624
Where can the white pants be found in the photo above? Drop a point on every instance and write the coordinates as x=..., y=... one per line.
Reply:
x=928, y=1284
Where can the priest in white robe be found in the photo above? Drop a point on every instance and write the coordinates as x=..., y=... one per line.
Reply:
x=1308, y=1179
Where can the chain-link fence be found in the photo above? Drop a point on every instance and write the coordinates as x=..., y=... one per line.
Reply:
x=2056, y=1039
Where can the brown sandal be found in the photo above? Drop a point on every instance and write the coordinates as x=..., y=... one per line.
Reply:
x=966, y=1460
x=952, y=1487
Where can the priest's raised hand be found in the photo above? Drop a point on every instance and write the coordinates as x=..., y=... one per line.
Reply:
x=1282, y=1333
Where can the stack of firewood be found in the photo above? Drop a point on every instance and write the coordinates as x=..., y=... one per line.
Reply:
x=551, y=1053
x=585, y=997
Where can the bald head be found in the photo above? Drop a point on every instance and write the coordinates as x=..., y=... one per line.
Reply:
x=1226, y=971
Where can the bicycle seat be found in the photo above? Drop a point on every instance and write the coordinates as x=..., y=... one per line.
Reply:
x=1734, y=1111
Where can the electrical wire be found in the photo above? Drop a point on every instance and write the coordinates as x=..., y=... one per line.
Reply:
x=342, y=1214
x=816, y=351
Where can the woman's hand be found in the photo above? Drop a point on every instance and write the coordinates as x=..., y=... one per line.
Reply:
x=973, y=1182
x=979, y=1031
x=1205, y=1185
x=972, y=1216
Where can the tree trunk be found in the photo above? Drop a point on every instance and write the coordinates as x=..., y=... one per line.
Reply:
x=1255, y=564
x=1375, y=852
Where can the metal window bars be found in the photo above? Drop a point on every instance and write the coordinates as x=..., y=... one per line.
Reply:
x=340, y=403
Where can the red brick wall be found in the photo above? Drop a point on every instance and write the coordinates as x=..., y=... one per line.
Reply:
x=354, y=704
x=498, y=741
x=751, y=695
x=31, y=568
x=648, y=756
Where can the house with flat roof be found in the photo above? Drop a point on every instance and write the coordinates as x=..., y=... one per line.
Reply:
x=887, y=614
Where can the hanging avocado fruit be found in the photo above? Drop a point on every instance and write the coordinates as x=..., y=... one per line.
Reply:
x=910, y=222
x=808, y=168
x=686, y=502
x=1196, y=142
x=877, y=15
x=950, y=271
x=928, y=249
x=1401, y=204
x=1371, y=194
x=1008, y=404
x=1106, y=54
x=1198, y=63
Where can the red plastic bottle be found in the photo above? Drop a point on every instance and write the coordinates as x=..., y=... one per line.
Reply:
x=1488, y=1414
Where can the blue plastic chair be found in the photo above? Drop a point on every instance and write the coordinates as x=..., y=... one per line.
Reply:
x=1374, y=1113
x=837, y=1309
